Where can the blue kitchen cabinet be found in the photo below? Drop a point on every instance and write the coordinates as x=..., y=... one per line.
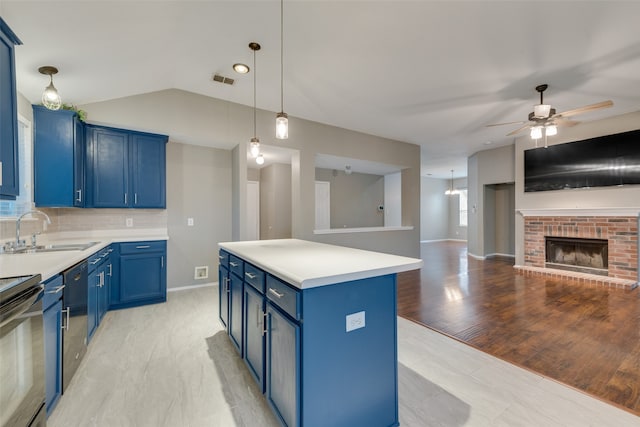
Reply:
x=94, y=282
x=236, y=290
x=125, y=169
x=223, y=289
x=53, y=324
x=104, y=291
x=58, y=155
x=283, y=366
x=142, y=274
x=254, y=333
x=9, y=173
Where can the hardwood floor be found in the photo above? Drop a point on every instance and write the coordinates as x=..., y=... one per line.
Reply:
x=585, y=337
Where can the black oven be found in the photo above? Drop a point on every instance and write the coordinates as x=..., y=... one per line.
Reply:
x=22, y=376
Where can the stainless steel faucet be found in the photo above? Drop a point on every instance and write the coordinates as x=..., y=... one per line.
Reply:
x=33, y=212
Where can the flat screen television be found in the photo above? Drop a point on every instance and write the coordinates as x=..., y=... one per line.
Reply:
x=612, y=160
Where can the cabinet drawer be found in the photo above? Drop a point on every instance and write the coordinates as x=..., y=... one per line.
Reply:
x=283, y=296
x=223, y=258
x=142, y=247
x=52, y=291
x=236, y=265
x=254, y=276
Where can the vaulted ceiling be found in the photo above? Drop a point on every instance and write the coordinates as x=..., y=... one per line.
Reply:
x=432, y=73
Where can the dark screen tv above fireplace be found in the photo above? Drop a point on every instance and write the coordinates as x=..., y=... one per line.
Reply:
x=611, y=160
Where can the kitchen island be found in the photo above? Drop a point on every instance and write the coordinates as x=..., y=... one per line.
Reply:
x=316, y=326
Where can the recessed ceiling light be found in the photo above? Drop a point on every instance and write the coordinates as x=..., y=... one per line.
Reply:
x=241, y=68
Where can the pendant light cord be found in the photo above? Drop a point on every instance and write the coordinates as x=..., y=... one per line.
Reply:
x=281, y=55
x=254, y=94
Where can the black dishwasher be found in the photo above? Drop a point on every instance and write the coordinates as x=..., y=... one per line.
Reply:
x=74, y=303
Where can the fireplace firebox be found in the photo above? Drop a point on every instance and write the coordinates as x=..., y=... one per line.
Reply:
x=577, y=254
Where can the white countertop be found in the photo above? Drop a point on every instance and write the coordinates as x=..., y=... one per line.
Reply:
x=307, y=264
x=48, y=264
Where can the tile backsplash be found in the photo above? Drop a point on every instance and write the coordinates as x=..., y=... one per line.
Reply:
x=69, y=219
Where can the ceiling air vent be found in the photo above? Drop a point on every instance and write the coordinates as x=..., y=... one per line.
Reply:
x=222, y=79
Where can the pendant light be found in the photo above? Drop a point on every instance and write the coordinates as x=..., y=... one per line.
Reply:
x=282, y=119
x=50, y=97
x=255, y=142
x=450, y=191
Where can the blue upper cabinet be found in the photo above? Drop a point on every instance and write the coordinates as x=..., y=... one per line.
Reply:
x=9, y=183
x=125, y=169
x=58, y=158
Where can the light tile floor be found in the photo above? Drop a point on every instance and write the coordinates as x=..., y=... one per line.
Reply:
x=172, y=365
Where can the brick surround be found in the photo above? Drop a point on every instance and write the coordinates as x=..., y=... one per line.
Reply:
x=620, y=231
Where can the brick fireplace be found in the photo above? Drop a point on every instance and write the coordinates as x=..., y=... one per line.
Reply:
x=618, y=232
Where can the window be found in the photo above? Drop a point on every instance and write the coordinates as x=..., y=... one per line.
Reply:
x=23, y=203
x=463, y=207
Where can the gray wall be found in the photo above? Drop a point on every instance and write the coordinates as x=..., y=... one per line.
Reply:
x=434, y=209
x=198, y=187
x=275, y=201
x=354, y=198
x=484, y=168
x=617, y=197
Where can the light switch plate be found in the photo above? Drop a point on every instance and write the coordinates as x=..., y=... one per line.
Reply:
x=355, y=321
x=190, y=222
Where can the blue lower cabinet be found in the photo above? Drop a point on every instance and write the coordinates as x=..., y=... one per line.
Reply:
x=142, y=274
x=236, y=291
x=223, y=296
x=283, y=366
x=94, y=280
x=52, y=321
x=254, y=333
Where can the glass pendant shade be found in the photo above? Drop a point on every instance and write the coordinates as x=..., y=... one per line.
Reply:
x=536, y=132
x=551, y=130
x=260, y=159
x=254, y=149
x=51, y=98
x=282, y=126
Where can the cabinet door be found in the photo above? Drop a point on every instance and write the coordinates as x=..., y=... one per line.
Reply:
x=92, y=301
x=78, y=164
x=223, y=296
x=105, y=288
x=283, y=366
x=53, y=354
x=235, y=311
x=54, y=157
x=9, y=183
x=108, y=157
x=148, y=166
x=142, y=278
x=254, y=333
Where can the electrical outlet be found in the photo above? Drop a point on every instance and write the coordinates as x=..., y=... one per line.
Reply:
x=129, y=222
x=355, y=321
x=190, y=222
x=201, y=272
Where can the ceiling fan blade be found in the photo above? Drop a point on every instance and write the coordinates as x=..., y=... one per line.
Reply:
x=585, y=109
x=518, y=130
x=561, y=121
x=507, y=123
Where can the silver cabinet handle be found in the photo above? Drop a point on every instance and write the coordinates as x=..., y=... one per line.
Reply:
x=276, y=293
x=226, y=282
x=220, y=256
x=162, y=262
x=110, y=270
x=143, y=247
x=79, y=198
x=233, y=264
x=56, y=290
x=264, y=324
x=125, y=198
x=258, y=316
x=94, y=262
x=250, y=276
x=66, y=327
x=135, y=198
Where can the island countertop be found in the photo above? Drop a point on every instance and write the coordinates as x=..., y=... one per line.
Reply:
x=305, y=264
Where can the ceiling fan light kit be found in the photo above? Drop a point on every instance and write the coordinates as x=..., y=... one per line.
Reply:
x=544, y=121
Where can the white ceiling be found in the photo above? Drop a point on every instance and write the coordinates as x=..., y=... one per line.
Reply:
x=432, y=73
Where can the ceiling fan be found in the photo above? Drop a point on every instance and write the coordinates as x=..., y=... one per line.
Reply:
x=543, y=117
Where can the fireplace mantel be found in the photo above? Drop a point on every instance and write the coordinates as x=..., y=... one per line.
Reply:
x=610, y=212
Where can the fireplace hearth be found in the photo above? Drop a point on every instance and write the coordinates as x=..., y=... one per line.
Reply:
x=577, y=254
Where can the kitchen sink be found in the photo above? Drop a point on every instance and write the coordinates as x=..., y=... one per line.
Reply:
x=56, y=247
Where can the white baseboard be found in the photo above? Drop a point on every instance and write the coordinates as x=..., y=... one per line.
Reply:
x=476, y=256
x=442, y=240
x=184, y=288
x=499, y=254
